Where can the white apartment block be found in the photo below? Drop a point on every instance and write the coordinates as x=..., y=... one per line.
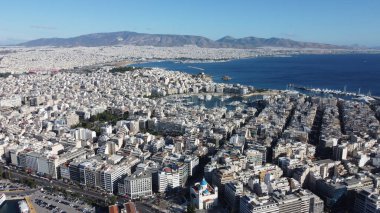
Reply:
x=138, y=185
x=168, y=179
x=112, y=175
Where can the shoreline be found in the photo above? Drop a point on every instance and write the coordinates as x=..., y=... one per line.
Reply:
x=24, y=59
x=189, y=65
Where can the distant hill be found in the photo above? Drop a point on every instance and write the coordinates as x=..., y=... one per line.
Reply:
x=163, y=40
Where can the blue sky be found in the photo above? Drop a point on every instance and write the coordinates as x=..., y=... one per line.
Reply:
x=329, y=21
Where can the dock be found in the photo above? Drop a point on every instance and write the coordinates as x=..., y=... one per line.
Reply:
x=30, y=205
x=268, y=93
x=325, y=91
x=15, y=198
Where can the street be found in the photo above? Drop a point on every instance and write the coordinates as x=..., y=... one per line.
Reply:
x=90, y=194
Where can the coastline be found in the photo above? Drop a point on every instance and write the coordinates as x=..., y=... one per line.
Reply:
x=191, y=61
x=252, y=71
x=326, y=72
x=17, y=59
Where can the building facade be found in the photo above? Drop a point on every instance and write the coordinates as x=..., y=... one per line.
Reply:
x=203, y=195
x=139, y=184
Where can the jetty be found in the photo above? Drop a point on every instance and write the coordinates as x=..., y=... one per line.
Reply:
x=326, y=91
x=30, y=204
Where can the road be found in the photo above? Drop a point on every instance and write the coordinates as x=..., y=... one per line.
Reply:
x=91, y=194
x=19, y=192
x=143, y=207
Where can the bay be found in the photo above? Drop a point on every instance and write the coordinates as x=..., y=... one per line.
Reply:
x=336, y=71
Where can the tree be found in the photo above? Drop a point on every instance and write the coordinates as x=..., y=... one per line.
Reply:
x=190, y=208
x=112, y=200
x=29, y=182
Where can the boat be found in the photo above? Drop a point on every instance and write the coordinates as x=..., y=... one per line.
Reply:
x=23, y=206
x=197, y=68
x=224, y=97
x=2, y=198
x=226, y=78
x=234, y=103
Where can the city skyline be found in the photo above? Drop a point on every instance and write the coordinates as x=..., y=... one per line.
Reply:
x=265, y=106
x=338, y=22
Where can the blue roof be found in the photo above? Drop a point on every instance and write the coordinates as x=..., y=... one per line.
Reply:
x=204, y=182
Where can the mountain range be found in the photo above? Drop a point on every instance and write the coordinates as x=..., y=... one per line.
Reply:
x=166, y=40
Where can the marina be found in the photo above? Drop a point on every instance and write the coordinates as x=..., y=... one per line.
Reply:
x=336, y=92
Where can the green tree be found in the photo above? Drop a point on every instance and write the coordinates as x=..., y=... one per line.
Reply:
x=112, y=200
x=190, y=208
x=29, y=182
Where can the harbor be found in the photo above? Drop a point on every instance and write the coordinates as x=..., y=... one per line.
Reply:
x=305, y=70
x=335, y=92
x=17, y=204
x=16, y=200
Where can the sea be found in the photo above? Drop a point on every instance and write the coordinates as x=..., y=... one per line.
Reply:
x=10, y=206
x=349, y=72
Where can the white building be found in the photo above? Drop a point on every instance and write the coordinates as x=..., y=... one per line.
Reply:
x=83, y=134
x=254, y=157
x=14, y=101
x=251, y=203
x=168, y=179
x=192, y=161
x=204, y=196
x=47, y=165
x=139, y=184
x=111, y=175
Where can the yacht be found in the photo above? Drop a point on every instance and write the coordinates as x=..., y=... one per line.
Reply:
x=23, y=206
x=2, y=198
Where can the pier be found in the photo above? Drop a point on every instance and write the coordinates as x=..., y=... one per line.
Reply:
x=30, y=205
x=15, y=198
x=331, y=91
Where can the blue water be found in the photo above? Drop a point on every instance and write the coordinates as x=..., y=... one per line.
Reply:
x=10, y=206
x=355, y=71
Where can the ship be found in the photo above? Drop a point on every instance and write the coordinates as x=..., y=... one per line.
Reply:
x=2, y=198
x=226, y=78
